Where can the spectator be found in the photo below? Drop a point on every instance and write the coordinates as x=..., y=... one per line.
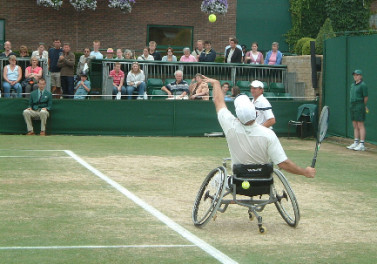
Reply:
x=53, y=57
x=179, y=87
x=135, y=79
x=41, y=52
x=118, y=80
x=12, y=76
x=187, y=57
x=243, y=52
x=84, y=59
x=34, y=73
x=83, y=87
x=67, y=63
x=7, y=50
x=198, y=50
x=95, y=52
x=128, y=54
x=23, y=51
x=110, y=54
x=119, y=55
x=198, y=89
x=209, y=54
x=227, y=47
x=39, y=104
x=274, y=56
x=146, y=55
x=254, y=56
x=152, y=51
x=235, y=91
x=233, y=54
x=358, y=109
x=169, y=55
x=225, y=89
x=265, y=117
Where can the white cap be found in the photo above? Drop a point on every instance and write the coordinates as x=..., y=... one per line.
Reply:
x=245, y=110
x=257, y=84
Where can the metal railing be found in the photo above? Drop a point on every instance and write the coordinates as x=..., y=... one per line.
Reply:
x=24, y=63
x=220, y=71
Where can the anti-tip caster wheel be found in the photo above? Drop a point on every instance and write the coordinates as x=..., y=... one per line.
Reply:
x=262, y=230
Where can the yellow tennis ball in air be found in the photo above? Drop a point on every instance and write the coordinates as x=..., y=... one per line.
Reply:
x=212, y=18
x=245, y=185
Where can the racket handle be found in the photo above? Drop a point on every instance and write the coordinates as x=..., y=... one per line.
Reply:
x=313, y=162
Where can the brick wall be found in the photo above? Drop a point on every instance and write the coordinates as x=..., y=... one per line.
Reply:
x=27, y=23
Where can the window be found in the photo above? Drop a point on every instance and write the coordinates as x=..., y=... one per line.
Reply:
x=176, y=37
x=2, y=33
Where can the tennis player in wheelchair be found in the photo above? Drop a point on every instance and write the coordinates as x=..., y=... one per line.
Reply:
x=253, y=150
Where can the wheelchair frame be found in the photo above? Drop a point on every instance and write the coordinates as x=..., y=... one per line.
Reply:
x=214, y=189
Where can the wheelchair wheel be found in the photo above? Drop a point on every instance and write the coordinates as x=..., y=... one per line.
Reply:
x=286, y=204
x=209, y=196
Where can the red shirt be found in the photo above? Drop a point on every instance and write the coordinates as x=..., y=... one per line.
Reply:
x=117, y=76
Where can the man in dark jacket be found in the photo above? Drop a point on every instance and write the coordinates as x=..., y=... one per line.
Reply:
x=208, y=54
x=233, y=54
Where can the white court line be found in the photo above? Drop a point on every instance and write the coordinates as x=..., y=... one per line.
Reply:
x=95, y=247
x=163, y=218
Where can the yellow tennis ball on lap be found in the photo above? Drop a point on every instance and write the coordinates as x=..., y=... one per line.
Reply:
x=212, y=18
x=245, y=185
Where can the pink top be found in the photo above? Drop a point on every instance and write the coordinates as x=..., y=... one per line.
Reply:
x=272, y=60
x=116, y=76
x=35, y=70
x=259, y=59
x=188, y=59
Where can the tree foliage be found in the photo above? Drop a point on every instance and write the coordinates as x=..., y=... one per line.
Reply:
x=325, y=32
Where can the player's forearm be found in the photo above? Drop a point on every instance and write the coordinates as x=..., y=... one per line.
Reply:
x=269, y=122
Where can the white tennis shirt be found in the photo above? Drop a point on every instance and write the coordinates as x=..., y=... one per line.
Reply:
x=254, y=144
x=263, y=108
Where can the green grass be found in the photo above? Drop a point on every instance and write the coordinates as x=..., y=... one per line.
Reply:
x=52, y=200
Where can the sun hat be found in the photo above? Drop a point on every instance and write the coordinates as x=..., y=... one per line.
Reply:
x=257, y=84
x=245, y=110
x=110, y=50
x=358, y=72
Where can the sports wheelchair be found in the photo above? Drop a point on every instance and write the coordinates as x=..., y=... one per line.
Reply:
x=263, y=185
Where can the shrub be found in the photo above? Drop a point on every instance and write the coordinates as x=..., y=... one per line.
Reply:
x=306, y=46
x=299, y=44
x=325, y=32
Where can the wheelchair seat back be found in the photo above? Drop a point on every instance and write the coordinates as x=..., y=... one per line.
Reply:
x=259, y=176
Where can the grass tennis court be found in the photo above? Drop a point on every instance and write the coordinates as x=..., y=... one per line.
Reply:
x=55, y=210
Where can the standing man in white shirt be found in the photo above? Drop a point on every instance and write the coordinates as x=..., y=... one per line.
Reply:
x=249, y=142
x=265, y=116
x=95, y=52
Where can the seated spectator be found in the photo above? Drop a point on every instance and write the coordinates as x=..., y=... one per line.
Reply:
x=187, y=57
x=233, y=54
x=254, y=56
x=84, y=59
x=118, y=80
x=274, y=56
x=7, y=50
x=110, y=54
x=135, y=79
x=119, y=55
x=152, y=51
x=179, y=87
x=23, y=51
x=198, y=50
x=41, y=52
x=12, y=76
x=95, y=52
x=227, y=47
x=209, y=54
x=198, y=89
x=170, y=55
x=225, y=89
x=40, y=104
x=32, y=75
x=83, y=87
x=128, y=55
x=145, y=55
x=235, y=91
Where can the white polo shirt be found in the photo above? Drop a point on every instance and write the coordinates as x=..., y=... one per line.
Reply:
x=254, y=144
x=264, y=109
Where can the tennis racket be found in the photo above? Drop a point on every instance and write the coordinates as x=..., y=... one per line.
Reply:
x=322, y=130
